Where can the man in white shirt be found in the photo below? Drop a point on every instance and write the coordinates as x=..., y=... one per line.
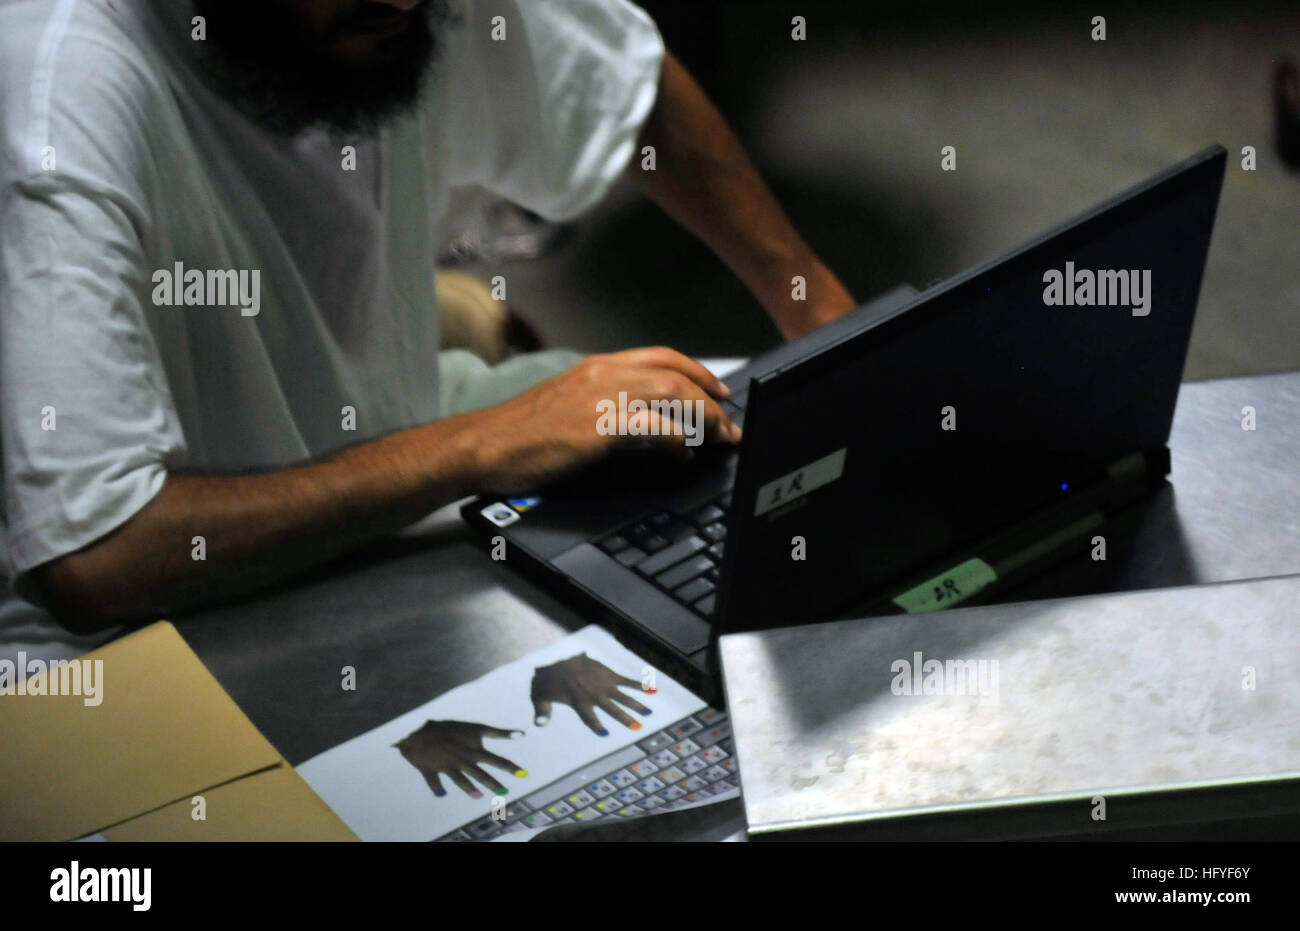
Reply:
x=217, y=321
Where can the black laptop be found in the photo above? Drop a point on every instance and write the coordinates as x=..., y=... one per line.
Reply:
x=927, y=450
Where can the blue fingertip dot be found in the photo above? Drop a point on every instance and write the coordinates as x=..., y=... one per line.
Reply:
x=601, y=732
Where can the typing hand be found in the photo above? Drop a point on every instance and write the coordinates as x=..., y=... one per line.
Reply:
x=557, y=427
x=584, y=685
x=456, y=748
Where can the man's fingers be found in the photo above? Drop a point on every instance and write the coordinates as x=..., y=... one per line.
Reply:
x=649, y=427
x=462, y=782
x=435, y=783
x=658, y=430
x=629, y=701
x=482, y=778
x=619, y=715
x=584, y=705
x=541, y=711
x=648, y=384
x=663, y=357
x=500, y=762
x=486, y=730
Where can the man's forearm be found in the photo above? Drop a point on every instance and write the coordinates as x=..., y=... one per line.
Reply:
x=258, y=529
x=704, y=180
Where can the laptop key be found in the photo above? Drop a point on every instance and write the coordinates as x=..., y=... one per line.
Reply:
x=713, y=755
x=660, y=521
x=685, y=728
x=715, y=532
x=653, y=543
x=708, y=514
x=675, y=533
x=685, y=747
x=674, y=554
x=693, y=764
x=684, y=571
x=623, y=778
x=613, y=544
x=581, y=799
x=706, y=605
x=694, y=591
x=711, y=735
x=630, y=556
x=716, y=549
x=664, y=758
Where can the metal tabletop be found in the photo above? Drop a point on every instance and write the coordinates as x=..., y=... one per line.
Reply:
x=1175, y=705
x=429, y=611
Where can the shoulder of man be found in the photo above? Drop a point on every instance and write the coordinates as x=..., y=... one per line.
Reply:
x=80, y=86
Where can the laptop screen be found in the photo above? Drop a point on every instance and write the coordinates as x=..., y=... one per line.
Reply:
x=994, y=395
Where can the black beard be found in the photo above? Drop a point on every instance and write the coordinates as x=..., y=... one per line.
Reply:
x=261, y=57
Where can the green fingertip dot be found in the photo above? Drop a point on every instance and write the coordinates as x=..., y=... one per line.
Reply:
x=503, y=791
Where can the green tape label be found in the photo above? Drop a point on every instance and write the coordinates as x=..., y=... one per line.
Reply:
x=948, y=588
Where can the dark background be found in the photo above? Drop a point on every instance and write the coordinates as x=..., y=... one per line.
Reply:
x=848, y=125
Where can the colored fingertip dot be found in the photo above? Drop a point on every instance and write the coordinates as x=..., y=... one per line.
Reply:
x=635, y=725
x=646, y=711
x=521, y=773
x=541, y=719
x=476, y=794
x=601, y=732
x=440, y=792
x=503, y=791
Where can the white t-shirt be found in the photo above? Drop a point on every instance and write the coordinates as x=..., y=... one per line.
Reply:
x=118, y=163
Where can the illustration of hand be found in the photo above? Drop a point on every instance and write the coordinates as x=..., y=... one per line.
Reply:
x=456, y=748
x=584, y=684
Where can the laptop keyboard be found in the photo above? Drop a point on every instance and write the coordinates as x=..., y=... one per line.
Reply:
x=682, y=554
x=690, y=761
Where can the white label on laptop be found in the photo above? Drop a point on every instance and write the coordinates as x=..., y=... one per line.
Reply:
x=796, y=484
x=499, y=514
x=947, y=588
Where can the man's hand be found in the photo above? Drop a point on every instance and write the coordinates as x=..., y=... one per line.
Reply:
x=584, y=685
x=552, y=429
x=455, y=748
